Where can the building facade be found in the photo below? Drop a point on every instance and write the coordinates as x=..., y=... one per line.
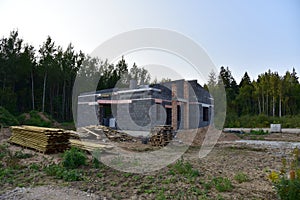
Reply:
x=181, y=104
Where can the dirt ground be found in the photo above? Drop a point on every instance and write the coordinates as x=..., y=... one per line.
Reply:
x=227, y=159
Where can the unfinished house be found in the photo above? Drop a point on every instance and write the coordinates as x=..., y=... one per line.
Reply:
x=181, y=104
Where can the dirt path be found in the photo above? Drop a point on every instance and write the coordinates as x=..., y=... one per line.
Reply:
x=49, y=193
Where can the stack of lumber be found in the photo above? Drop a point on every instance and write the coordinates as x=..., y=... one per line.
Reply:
x=111, y=134
x=46, y=140
x=89, y=146
x=161, y=135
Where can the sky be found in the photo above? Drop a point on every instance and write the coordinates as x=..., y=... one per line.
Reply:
x=251, y=36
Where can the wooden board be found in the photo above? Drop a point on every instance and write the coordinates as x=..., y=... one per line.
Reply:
x=46, y=140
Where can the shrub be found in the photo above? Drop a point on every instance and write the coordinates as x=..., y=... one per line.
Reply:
x=6, y=118
x=74, y=158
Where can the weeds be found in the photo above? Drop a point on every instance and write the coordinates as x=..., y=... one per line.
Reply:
x=21, y=155
x=287, y=181
x=184, y=168
x=222, y=184
x=63, y=173
x=241, y=177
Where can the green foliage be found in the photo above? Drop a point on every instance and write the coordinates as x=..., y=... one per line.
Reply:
x=184, y=168
x=222, y=184
x=6, y=173
x=3, y=151
x=287, y=181
x=259, y=132
x=74, y=158
x=96, y=163
x=261, y=121
x=21, y=155
x=34, y=118
x=6, y=118
x=34, y=167
x=241, y=177
x=288, y=189
x=11, y=160
x=62, y=173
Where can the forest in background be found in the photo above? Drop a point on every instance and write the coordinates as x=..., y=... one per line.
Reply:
x=42, y=80
x=271, y=98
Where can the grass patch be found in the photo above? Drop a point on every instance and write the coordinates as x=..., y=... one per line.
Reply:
x=241, y=177
x=21, y=155
x=183, y=168
x=62, y=173
x=222, y=184
x=34, y=118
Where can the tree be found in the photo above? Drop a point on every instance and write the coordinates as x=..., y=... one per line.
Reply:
x=28, y=61
x=231, y=89
x=245, y=80
x=10, y=70
x=47, y=52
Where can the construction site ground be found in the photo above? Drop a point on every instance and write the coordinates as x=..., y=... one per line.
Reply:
x=227, y=159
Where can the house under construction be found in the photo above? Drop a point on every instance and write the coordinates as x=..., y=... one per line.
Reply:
x=181, y=104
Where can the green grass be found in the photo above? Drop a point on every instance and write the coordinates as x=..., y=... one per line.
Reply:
x=21, y=155
x=240, y=177
x=183, y=168
x=62, y=173
x=222, y=184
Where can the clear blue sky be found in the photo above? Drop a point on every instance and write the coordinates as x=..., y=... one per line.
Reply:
x=253, y=36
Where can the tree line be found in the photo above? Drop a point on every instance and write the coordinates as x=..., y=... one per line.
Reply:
x=42, y=79
x=270, y=95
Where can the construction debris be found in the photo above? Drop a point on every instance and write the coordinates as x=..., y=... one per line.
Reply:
x=89, y=146
x=103, y=132
x=46, y=140
x=161, y=135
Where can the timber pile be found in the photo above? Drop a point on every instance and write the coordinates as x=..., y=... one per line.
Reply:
x=89, y=146
x=46, y=140
x=161, y=135
x=111, y=134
